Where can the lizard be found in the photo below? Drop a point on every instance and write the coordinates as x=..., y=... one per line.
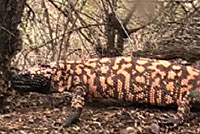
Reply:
x=127, y=78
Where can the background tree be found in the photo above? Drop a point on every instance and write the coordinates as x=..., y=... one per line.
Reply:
x=80, y=29
x=10, y=40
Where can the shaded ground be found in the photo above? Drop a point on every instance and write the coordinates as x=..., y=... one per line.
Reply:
x=40, y=114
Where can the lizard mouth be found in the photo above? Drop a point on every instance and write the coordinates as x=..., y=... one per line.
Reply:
x=30, y=83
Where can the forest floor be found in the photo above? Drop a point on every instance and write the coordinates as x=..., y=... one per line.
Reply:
x=34, y=113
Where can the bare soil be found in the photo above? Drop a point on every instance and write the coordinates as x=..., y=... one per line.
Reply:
x=34, y=113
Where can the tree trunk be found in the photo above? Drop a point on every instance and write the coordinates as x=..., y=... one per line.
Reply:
x=10, y=41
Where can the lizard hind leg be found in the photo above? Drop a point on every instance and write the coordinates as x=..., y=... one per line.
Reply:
x=183, y=109
x=181, y=115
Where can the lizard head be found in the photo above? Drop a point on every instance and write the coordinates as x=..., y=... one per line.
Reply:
x=34, y=79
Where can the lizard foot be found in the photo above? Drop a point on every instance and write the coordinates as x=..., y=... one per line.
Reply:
x=170, y=119
x=72, y=118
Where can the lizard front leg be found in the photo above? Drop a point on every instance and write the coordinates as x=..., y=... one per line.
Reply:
x=77, y=103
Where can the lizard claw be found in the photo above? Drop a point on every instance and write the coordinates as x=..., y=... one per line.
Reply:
x=169, y=119
x=67, y=123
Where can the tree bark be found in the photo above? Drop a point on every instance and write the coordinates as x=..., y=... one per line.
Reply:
x=189, y=53
x=10, y=42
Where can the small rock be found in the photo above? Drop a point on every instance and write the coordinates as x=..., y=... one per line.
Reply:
x=130, y=130
x=155, y=128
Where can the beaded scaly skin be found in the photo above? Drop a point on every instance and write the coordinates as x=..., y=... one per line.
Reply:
x=131, y=79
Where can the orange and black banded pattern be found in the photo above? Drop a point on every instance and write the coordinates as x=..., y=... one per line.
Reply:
x=132, y=79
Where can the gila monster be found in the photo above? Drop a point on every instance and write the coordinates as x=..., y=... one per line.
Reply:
x=127, y=78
